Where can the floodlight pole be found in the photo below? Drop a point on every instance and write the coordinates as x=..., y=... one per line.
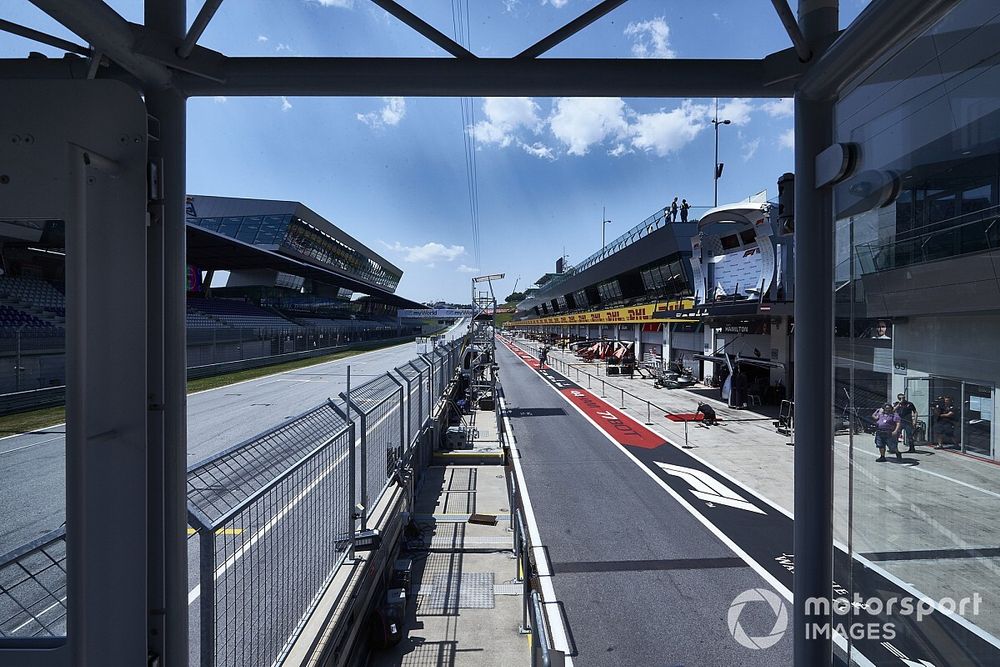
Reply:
x=604, y=223
x=715, y=167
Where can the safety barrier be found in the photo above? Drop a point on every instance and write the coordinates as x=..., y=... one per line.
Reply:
x=272, y=517
x=277, y=515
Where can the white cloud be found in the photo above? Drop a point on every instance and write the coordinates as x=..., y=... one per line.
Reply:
x=428, y=253
x=504, y=116
x=219, y=99
x=787, y=139
x=510, y=5
x=462, y=268
x=282, y=47
x=651, y=39
x=343, y=4
x=665, y=132
x=749, y=148
x=737, y=110
x=539, y=150
x=619, y=150
x=389, y=115
x=262, y=38
x=558, y=4
x=580, y=122
x=285, y=104
x=783, y=107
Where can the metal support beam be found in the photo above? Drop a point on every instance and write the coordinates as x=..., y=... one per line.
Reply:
x=813, y=373
x=792, y=28
x=108, y=32
x=446, y=77
x=570, y=29
x=425, y=29
x=167, y=358
x=43, y=38
x=198, y=27
x=879, y=28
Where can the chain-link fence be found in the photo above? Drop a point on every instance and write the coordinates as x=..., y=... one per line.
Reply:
x=33, y=588
x=273, y=518
x=379, y=406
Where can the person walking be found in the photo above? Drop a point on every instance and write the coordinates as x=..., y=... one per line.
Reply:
x=673, y=210
x=543, y=356
x=684, y=210
x=907, y=418
x=887, y=426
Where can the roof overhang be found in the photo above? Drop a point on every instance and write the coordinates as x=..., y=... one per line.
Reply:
x=742, y=213
x=210, y=250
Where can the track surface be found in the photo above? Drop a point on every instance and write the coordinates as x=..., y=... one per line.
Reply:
x=33, y=470
x=755, y=529
x=642, y=581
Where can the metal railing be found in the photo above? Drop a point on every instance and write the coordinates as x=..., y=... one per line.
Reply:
x=527, y=570
x=272, y=517
x=968, y=233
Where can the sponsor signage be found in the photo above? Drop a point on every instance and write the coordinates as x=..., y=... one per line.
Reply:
x=750, y=327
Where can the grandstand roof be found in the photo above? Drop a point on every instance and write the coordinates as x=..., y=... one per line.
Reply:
x=210, y=250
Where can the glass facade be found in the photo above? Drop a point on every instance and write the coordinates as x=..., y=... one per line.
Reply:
x=918, y=317
x=666, y=279
x=286, y=231
x=609, y=291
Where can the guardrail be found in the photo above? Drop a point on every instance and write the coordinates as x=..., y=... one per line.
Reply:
x=273, y=518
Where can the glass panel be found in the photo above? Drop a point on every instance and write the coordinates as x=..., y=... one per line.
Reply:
x=918, y=240
x=33, y=453
x=230, y=226
x=248, y=230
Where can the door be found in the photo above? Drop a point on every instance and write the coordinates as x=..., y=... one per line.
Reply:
x=977, y=419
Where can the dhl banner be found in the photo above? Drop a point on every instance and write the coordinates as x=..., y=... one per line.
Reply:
x=659, y=312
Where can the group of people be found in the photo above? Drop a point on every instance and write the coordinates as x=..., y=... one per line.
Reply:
x=670, y=212
x=900, y=418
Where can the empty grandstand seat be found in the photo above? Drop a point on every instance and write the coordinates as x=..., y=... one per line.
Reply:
x=238, y=313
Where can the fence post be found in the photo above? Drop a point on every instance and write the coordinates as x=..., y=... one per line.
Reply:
x=206, y=577
x=603, y=392
x=623, y=399
x=649, y=418
x=17, y=364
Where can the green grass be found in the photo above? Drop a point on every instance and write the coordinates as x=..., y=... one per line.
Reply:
x=25, y=422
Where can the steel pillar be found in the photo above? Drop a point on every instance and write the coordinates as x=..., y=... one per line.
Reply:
x=813, y=538
x=167, y=358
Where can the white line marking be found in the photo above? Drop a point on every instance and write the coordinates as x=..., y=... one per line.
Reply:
x=956, y=481
x=560, y=637
x=39, y=615
x=34, y=444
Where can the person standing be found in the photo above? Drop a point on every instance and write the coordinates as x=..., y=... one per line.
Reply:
x=908, y=418
x=684, y=210
x=887, y=426
x=945, y=429
x=543, y=356
x=673, y=210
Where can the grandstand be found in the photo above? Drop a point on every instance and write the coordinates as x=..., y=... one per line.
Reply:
x=266, y=278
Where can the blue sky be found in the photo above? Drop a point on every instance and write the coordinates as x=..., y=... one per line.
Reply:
x=392, y=171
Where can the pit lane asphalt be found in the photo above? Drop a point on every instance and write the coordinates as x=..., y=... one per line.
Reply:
x=641, y=580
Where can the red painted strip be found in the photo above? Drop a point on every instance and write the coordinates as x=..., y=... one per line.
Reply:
x=618, y=425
